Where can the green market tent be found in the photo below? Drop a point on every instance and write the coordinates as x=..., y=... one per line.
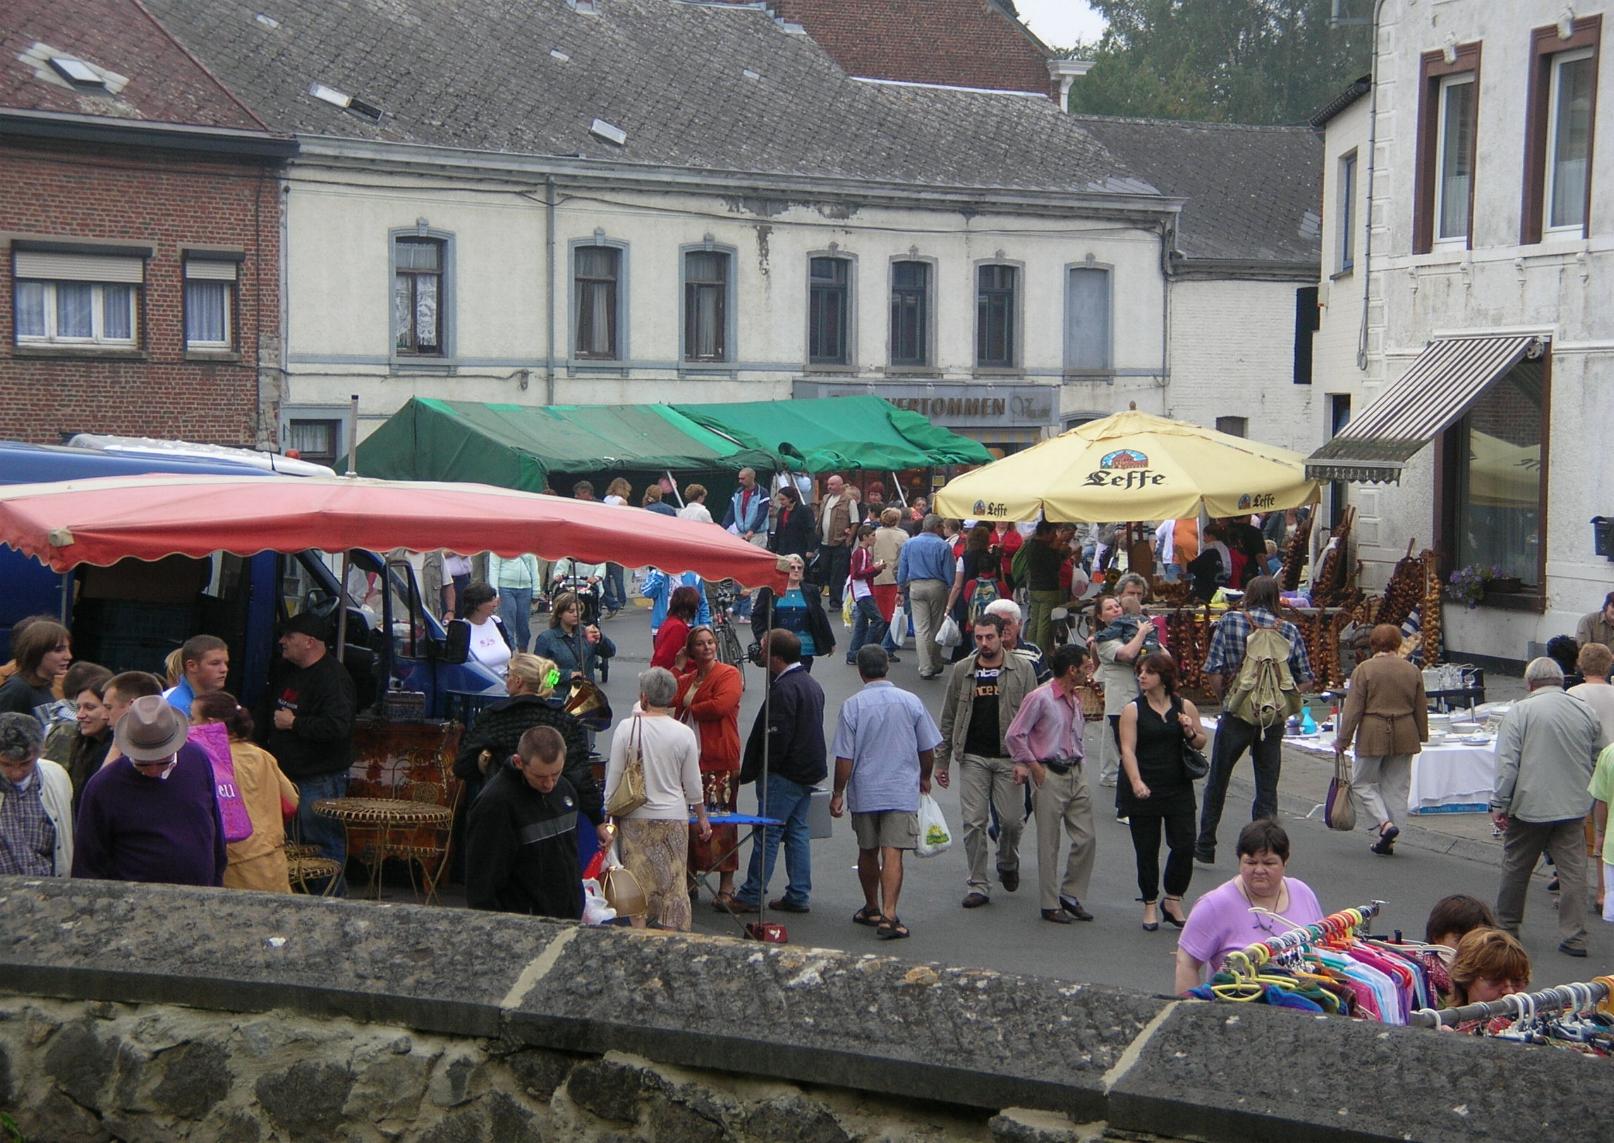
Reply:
x=529, y=446
x=521, y=446
x=833, y=433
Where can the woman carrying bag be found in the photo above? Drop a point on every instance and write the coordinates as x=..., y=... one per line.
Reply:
x=1156, y=788
x=654, y=835
x=1387, y=712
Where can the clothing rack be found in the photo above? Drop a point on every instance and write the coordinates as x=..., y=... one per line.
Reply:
x=1563, y=996
x=1333, y=925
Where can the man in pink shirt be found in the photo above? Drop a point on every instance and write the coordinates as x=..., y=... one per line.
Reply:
x=1045, y=744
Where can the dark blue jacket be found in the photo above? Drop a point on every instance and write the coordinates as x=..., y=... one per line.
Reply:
x=792, y=723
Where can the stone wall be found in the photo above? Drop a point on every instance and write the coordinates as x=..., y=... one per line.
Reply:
x=143, y=1012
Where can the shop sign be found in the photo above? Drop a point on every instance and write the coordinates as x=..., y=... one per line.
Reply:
x=955, y=406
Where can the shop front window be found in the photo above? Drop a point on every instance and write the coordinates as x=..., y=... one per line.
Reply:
x=1498, y=491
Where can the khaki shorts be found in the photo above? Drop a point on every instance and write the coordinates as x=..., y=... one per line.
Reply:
x=889, y=829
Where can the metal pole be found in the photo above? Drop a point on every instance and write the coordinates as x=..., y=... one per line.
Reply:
x=352, y=433
x=767, y=735
x=1562, y=996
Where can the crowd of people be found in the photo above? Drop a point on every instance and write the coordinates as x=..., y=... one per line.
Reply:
x=104, y=775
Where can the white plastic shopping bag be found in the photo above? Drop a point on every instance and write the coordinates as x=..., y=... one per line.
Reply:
x=596, y=910
x=934, y=836
x=899, y=625
x=948, y=635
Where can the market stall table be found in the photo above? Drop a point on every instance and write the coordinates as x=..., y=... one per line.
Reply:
x=385, y=815
x=1447, y=778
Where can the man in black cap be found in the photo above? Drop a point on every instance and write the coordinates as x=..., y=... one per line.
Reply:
x=153, y=815
x=309, y=728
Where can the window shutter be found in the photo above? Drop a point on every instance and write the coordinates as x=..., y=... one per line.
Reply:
x=80, y=267
x=197, y=269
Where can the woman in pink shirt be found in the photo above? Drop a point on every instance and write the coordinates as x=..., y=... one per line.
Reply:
x=1256, y=905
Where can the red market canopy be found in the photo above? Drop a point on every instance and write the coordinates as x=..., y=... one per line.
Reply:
x=107, y=519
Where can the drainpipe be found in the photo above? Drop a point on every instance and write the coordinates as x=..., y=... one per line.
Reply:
x=283, y=359
x=549, y=288
x=1372, y=136
x=1167, y=236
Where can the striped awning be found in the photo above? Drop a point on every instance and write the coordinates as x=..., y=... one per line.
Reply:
x=1445, y=380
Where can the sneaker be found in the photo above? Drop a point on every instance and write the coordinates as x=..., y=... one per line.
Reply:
x=1107, y=783
x=1572, y=950
x=1205, y=854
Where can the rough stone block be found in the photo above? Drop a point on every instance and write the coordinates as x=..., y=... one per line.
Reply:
x=80, y=1062
x=510, y=1122
x=794, y=1119
x=307, y=1098
x=539, y=1070
x=609, y=1089
x=1250, y=1073
x=863, y=1022
x=194, y=1077
x=1027, y=1125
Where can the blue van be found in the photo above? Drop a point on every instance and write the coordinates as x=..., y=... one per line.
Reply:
x=132, y=614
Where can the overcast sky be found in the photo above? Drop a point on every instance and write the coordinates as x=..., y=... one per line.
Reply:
x=1060, y=23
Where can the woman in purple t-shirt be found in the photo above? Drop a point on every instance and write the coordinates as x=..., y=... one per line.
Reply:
x=1237, y=914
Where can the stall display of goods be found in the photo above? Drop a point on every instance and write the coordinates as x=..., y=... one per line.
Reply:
x=1294, y=556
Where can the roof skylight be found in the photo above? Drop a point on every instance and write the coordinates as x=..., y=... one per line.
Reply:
x=77, y=72
x=611, y=133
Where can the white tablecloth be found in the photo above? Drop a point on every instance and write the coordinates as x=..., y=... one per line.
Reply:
x=1449, y=778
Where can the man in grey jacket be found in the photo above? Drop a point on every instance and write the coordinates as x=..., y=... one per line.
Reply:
x=1540, y=806
x=984, y=693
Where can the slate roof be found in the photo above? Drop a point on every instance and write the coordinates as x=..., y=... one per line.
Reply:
x=1252, y=193
x=149, y=77
x=479, y=75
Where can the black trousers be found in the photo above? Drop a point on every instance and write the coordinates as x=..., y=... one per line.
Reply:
x=1233, y=737
x=834, y=562
x=1179, y=856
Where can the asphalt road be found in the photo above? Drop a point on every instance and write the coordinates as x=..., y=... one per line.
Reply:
x=1009, y=935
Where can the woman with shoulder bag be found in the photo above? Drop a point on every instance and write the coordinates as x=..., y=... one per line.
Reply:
x=1387, y=713
x=1156, y=787
x=654, y=836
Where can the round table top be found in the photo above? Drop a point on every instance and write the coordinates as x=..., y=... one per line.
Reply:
x=383, y=811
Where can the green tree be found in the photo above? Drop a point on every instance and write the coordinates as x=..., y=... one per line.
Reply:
x=1234, y=61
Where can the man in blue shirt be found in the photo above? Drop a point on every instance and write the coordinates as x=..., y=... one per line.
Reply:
x=925, y=573
x=204, y=663
x=885, y=746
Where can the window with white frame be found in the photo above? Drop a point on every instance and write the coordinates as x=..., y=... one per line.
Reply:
x=1572, y=86
x=418, y=296
x=209, y=303
x=1346, y=193
x=1087, y=319
x=73, y=299
x=1454, y=156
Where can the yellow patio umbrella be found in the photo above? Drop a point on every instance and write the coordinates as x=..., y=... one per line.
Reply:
x=1131, y=466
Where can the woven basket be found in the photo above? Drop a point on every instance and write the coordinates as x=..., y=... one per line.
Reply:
x=1091, y=696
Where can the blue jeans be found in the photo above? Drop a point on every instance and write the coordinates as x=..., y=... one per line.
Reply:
x=515, y=609
x=868, y=627
x=616, y=592
x=326, y=833
x=787, y=801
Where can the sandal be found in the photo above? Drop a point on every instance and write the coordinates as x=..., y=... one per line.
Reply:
x=726, y=903
x=1179, y=920
x=868, y=916
x=891, y=929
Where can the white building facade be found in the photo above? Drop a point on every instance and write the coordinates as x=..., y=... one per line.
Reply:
x=1467, y=243
x=996, y=318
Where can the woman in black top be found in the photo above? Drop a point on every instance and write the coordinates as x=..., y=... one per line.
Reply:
x=1156, y=789
x=42, y=651
x=793, y=527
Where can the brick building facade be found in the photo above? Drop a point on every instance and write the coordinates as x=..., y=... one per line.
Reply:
x=139, y=225
x=954, y=43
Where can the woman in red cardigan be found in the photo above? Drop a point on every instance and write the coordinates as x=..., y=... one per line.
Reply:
x=709, y=700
